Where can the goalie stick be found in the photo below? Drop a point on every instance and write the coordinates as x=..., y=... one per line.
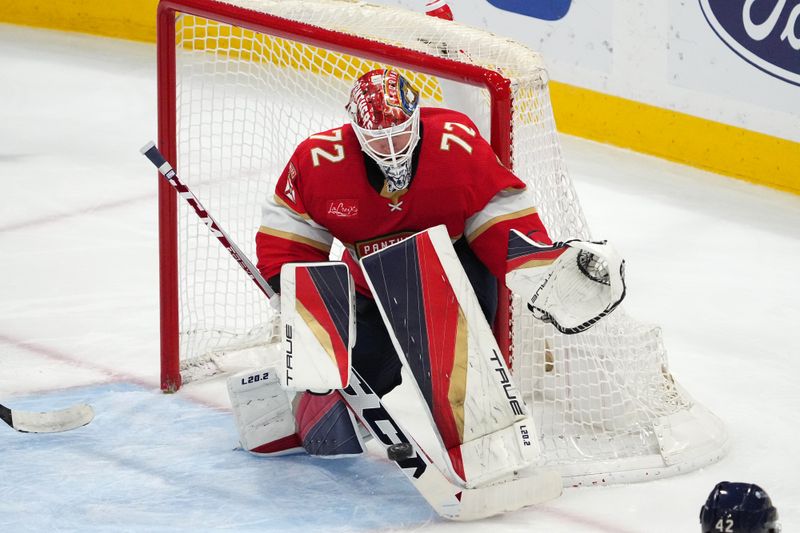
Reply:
x=47, y=422
x=165, y=169
x=448, y=499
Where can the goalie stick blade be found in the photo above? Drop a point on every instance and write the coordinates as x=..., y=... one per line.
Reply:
x=538, y=486
x=448, y=499
x=47, y=422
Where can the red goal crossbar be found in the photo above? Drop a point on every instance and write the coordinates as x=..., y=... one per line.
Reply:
x=497, y=85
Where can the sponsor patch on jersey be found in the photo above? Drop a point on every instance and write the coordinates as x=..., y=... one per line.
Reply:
x=342, y=209
x=364, y=248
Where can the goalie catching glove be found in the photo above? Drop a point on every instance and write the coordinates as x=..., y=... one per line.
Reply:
x=574, y=283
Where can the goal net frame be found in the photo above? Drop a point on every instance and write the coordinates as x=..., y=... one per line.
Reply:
x=497, y=86
x=597, y=396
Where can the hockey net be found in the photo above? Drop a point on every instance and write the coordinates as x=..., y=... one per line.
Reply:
x=241, y=83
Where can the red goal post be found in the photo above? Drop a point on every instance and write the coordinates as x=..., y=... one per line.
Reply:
x=497, y=86
x=241, y=82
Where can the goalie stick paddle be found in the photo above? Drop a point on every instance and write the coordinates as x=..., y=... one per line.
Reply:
x=47, y=422
x=448, y=499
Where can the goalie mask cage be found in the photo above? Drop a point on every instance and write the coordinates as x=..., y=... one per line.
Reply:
x=241, y=83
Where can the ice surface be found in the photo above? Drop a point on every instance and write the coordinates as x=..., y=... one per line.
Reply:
x=712, y=260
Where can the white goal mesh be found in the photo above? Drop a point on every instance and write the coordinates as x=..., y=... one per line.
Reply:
x=606, y=407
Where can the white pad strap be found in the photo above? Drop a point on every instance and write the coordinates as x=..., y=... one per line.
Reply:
x=573, y=284
x=262, y=411
x=318, y=325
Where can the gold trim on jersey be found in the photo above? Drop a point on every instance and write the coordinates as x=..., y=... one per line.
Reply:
x=295, y=238
x=393, y=196
x=282, y=203
x=492, y=221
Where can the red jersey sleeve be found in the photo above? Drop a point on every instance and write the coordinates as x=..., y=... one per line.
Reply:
x=510, y=206
x=287, y=233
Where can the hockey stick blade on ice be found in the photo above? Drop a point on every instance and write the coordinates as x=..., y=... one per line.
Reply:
x=47, y=422
x=448, y=499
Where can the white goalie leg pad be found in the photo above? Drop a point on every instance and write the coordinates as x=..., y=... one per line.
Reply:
x=501, y=453
x=450, y=499
x=530, y=487
x=573, y=284
x=317, y=324
x=472, y=403
x=262, y=411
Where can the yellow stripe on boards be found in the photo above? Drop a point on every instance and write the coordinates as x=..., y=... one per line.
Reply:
x=709, y=145
x=125, y=19
x=728, y=150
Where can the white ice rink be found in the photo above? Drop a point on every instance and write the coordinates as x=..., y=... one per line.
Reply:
x=712, y=260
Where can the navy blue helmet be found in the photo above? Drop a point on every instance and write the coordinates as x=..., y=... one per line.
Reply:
x=739, y=508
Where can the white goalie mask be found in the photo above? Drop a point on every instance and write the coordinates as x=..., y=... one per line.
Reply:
x=385, y=118
x=392, y=146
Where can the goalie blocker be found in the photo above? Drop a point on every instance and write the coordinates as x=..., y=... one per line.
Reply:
x=317, y=325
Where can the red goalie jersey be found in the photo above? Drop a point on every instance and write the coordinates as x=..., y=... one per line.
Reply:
x=330, y=189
